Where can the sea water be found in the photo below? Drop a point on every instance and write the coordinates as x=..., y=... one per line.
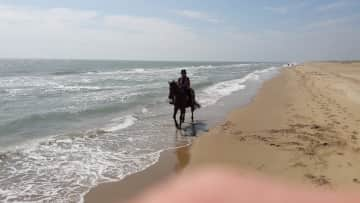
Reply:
x=69, y=125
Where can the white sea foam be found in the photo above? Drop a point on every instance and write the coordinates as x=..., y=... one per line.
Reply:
x=214, y=93
x=139, y=70
x=120, y=123
x=144, y=110
x=175, y=70
x=64, y=171
x=240, y=65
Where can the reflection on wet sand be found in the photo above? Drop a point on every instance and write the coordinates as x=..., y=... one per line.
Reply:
x=183, y=152
x=183, y=158
x=194, y=129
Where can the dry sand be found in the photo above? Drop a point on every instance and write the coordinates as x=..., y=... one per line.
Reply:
x=303, y=126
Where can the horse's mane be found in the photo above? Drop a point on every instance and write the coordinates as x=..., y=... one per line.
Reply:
x=173, y=83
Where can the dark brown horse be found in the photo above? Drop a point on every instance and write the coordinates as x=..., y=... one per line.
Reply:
x=181, y=102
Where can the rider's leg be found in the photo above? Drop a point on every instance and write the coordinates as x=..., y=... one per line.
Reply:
x=191, y=96
x=171, y=100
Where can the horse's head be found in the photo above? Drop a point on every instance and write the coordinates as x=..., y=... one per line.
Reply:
x=173, y=86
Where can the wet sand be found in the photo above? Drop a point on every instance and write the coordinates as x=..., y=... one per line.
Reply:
x=171, y=162
x=303, y=127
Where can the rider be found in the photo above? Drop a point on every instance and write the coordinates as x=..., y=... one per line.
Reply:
x=184, y=83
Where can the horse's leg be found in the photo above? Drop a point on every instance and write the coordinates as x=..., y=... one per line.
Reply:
x=174, y=117
x=182, y=116
x=192, y=113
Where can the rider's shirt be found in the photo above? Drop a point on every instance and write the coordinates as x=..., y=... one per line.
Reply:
x=184, y=82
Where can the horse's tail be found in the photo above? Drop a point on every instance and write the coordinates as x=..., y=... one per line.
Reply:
x=197, y=105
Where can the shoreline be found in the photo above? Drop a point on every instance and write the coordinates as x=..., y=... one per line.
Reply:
x=170, y=163
x=118, y=139
x=302, y=127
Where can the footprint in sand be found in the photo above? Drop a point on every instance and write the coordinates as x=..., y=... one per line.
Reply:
x=315, y=127
x=337, y=122
x=259, y=168
x=242, y=139
x=237, y=132
x=355, y=180
x=318, y=128
x=320, y=180
x=302, y=149
x=299, y=164
x=298, y=125
x=356, y=149
x=227, y=125
x=325, y=144
x=275, y=145
x=330, y=125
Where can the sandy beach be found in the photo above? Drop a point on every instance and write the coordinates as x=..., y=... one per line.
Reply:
x=302, y=127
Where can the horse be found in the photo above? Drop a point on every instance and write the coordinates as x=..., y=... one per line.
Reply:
x=181, y=102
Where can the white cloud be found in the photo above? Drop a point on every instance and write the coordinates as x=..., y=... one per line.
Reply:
x=69, y=33
x=278, y=10
x=142, y=24
x=197, y=15
x=331, y=22
x=333, y=6
x=10, y=14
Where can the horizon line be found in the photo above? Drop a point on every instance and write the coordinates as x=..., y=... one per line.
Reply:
x=144, y=60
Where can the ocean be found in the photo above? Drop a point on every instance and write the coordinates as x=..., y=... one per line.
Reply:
x=69, y=125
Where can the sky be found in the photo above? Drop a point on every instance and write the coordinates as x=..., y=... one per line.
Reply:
x=227, y=30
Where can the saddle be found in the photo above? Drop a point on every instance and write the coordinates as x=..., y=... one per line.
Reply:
x=190, y=98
